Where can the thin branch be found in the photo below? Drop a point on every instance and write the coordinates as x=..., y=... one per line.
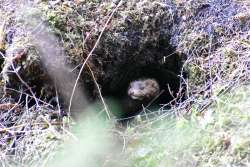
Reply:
x=100, y=93
x=90, y=53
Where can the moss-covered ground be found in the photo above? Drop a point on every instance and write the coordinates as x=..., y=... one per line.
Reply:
x=205, y=42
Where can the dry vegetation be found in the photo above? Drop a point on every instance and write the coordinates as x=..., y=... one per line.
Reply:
x=211, y=127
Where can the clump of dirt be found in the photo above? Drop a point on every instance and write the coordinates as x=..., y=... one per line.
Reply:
x=213, y=35
x=209, y=39
x=138, y=34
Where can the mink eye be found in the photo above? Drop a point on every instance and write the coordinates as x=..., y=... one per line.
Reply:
x=147, y=83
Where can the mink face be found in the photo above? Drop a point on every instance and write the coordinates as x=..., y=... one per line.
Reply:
x=143, y=89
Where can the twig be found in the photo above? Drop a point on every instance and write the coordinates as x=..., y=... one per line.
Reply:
x=10, y=106
x=41, y=101
x=10, y=129
x=25, y=84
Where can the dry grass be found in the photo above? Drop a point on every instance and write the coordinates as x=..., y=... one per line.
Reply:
x=209, y=128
